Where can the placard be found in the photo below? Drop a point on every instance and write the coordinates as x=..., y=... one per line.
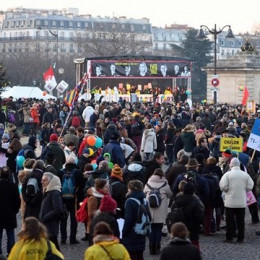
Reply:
x=234, y=144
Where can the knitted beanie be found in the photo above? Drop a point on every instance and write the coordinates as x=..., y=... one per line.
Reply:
x=53, y=138
x=117, y=171
x=108, y=204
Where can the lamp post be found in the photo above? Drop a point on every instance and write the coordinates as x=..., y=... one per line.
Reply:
x=215, y=32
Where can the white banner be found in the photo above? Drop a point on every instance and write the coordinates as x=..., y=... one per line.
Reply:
x=62, y=86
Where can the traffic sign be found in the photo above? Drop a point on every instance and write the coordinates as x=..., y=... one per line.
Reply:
x=215, y=82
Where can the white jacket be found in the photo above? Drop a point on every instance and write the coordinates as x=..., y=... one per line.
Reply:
x=149, y=142
x=236, y=184
x=87, y=112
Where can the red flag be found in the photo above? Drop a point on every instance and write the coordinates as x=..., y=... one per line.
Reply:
x=50, y=81
x=245, y=97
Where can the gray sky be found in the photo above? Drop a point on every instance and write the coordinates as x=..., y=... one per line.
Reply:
x=242, y=16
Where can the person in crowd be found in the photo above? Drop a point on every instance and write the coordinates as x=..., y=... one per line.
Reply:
x=188, y=139
x=235, y=183
x=160, y=136
x=134, y=243
x=106, y=246
x=51, y=207
x=156, y=162
x=136, y=131
x=71, y=137
x=9, y=207
x=48, y=117
x=75, y=120
x=71, y=200
x=202, y=148
x=180, y=246
x=25, y=109
x=118, y=189
x=115, y=151
x=69, y=151
x=193, y=211
x=3, y=147
x=54, y=148
x=158, y=214
x=87, y=112
x=176, y=169
x=110, y=130
x=35, y=119
x=33, y=242
x=106, y=213
x=45, y=134
x=149, y=142
x=30, y=147
x=169, y=141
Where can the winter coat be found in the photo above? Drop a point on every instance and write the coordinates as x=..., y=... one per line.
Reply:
x=107, y=217
x=56, y=150
x=159, y=214
x=111, y=129
x=193, y=211
x=26, y=114
x=71, y=138
x=52, y=207
x=9, y=204
x=98, y=174
x=32, y=249
x=33, y=204
x=87, y=112
x=132, y=241
x=160, y=141
x=134, y=171
x=116, y=153
x=118, y=191
x=149, y=142
x=35, y=115
x=188, y=140
x=48, y=118
x=180, y=249
x=127, y=150
x=235, y=183
x=112, y=245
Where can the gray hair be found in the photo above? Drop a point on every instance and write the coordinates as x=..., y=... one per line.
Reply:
x=48, y=175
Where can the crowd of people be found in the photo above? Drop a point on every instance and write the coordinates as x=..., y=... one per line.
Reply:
x=124, y=171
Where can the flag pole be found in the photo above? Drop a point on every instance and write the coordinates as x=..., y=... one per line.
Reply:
x=82, y=81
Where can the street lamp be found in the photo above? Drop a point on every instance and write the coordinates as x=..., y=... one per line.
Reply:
x=57, y=39
x=215, y=32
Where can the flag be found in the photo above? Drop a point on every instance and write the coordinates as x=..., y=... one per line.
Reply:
x=50, y=81
x=245, y=97
x=62, y=86
x=70, y=97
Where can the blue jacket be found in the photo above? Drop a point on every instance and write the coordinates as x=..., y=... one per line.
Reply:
x=116, y=153
x=132, y=241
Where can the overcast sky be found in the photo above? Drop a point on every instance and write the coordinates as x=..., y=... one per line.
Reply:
x=242, y=16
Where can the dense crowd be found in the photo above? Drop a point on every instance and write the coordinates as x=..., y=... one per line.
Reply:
x=103, y=165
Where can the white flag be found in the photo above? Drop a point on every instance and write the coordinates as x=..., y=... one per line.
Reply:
x=62, y=86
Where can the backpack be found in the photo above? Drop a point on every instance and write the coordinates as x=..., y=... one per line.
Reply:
x=32, y=187
x=75, y=121
x=154, y=196
x=143, y=224
x=111, y=187
x=174, y=216
x=82, y=212
x=68, y=185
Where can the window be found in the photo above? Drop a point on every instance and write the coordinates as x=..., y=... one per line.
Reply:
x=12, y=24
x=78, y=24
x=86, y=25
x=156, y=46
x=62, y=35
x=54, y=47
x=61, y=24
x=132, y=28
x=144, y=27
x=38, y=23
x=6, y=24
x=54, y=23
x=71, y=48
x=71, y=24
x=37, y=34
x=17, y=23
x=46, y=23
x=222, y=43
x=29, y=23
x=123, y=26
x=22, y=23
x=233, y=52
x=71, y=35
x=63, y=48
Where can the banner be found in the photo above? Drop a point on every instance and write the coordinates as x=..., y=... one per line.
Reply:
x=62, y=86
x=140, y=69
x=234, y=144
x=254, y=138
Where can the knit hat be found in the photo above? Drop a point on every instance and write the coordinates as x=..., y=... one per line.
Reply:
x=189, y=188
x=53, y=138
x=108, y=204
x=117, y=171
x=5, y=136
x=86, y=150
x=234, y=162
x=227, y=153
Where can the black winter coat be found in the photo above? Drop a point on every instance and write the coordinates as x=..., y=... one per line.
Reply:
x=193, y=211
x=132, y=241
x=33, y=204
x=118, y=193
x=9, y=204
x=160, y=141
x=180, y=249
x=150, y=166
x=51, y=211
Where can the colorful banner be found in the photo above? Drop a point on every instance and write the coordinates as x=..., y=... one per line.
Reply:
x=140, y=69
